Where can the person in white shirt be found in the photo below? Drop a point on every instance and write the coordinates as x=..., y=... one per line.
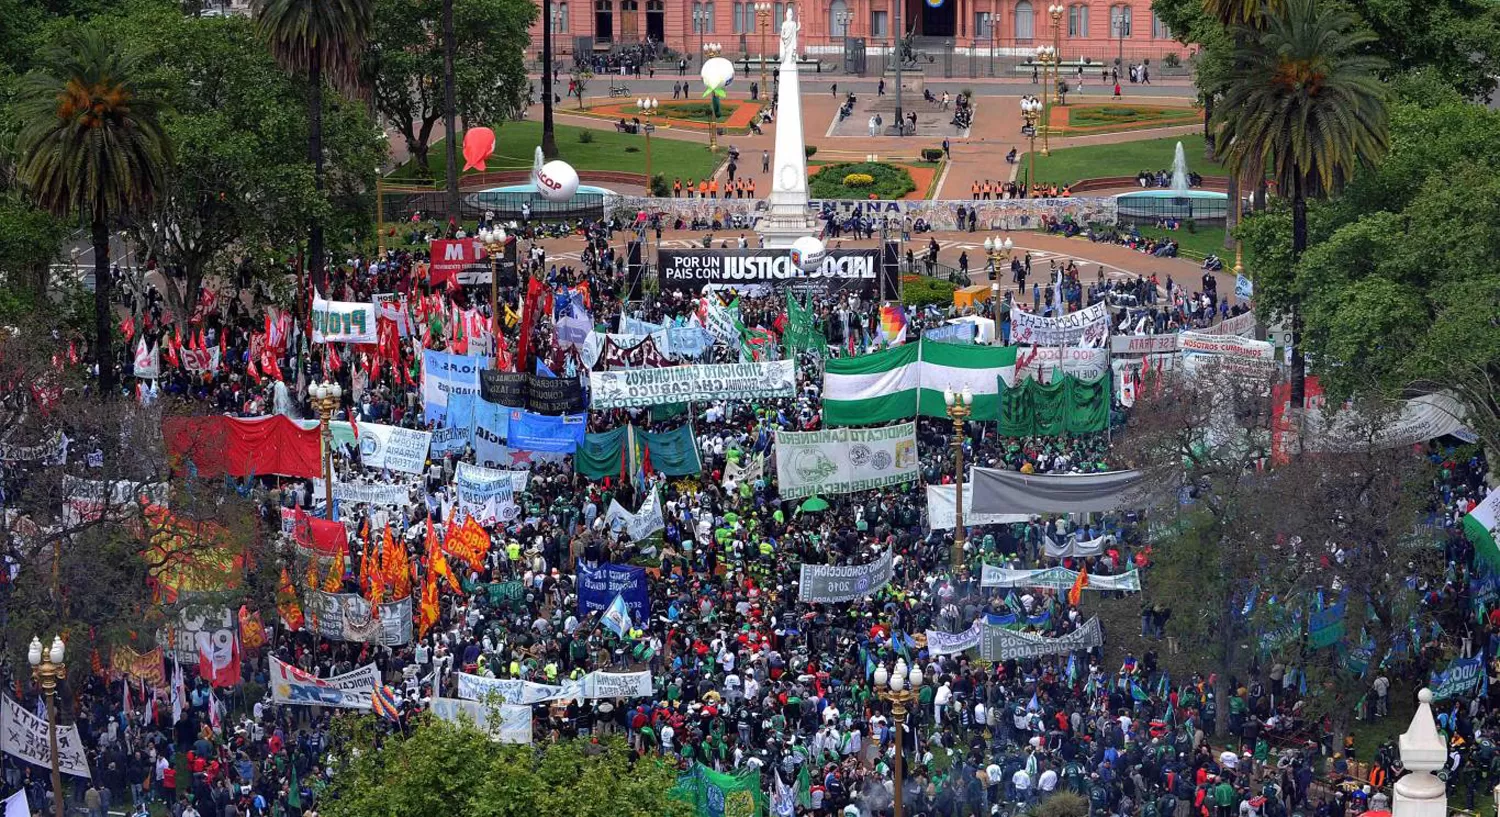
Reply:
x=940, y=701
x=1046, y=783
x=1021, y=783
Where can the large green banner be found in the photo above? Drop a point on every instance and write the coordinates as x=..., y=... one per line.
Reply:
x=715, y=794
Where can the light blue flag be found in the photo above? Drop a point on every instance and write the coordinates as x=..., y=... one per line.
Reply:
x=616, y=616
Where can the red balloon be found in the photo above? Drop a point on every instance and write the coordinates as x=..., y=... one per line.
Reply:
x=479, y=143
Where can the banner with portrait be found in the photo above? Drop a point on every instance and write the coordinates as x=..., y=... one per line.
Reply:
x=352, y=690
x=349, y=617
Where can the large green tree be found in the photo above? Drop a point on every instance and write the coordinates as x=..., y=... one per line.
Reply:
x=92, y=146
x=407, y=65
x=325, y=40
x=1306, y=105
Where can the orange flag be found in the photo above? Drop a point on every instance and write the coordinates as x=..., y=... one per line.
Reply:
x=428, y=611
x=333, y=582
x=395, y=568
x=437, y=561
x=469, y=543
x=1081, y=582
x=286, y=603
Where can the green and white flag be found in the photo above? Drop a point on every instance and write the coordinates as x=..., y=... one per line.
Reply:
x=900, y=383
x=1479, y=526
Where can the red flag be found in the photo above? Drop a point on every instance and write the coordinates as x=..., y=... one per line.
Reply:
x=353, y=426
x=219, y=658
x=1076, y=591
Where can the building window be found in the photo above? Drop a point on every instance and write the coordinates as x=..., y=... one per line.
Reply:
x=560, y=18
x=1025, y=21
x=836, y=26
x=878, y=26
x=604, y=20
x=1119, y=22
x=1159, y=29
x=738, y=21
x=982, y=25
x=703, y=18
x=1078, y=21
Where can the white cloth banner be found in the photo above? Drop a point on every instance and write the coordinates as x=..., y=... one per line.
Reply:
x=1421, y=419
x=832, y=583
x=147, y=361
x=198, y=361
x=343, y=321
x=953, y=643
x=1242, y=325
x=1000, y=644
x=632, y=388
x=348, y=617
x=88, y=500
x=747, y=469
x=514, y=720
x=393, y=447
x=23, y=734
x=1202, y=343
x=1057, y=578
x=844, y=460
x=53, y=451
x=639, y=525
x=488, y=495
x=597, y=684
x=365, y=493
x=1073, y=548
x=1143, y=344
x=1041, y=363
x=940, y=510
x=1086, y=327
x=352, y=690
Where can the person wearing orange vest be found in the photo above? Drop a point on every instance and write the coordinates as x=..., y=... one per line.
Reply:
x=974, y=188
x=713, y=188
x=690, y=188
x=677, y=187
x=702, y=188
x=752, y=189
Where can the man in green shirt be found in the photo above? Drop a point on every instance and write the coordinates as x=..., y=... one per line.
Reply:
x=1224, y=799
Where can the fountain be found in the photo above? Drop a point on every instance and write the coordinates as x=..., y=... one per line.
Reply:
x=1176, y=202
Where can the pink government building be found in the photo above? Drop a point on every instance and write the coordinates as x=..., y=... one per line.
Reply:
x=1100, y=30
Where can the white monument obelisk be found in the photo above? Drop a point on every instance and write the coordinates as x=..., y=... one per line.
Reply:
x=788, y=218
x=1423, y=751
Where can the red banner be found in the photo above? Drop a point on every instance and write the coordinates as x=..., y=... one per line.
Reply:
x=264, y=446
x=464, y=259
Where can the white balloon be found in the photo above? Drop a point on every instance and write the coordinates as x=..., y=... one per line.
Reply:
x=717, y=73
x=556, y=180
x=807, y=253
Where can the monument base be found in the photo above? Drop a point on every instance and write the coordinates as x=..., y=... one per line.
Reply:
x=913, y=81
x=778, y=231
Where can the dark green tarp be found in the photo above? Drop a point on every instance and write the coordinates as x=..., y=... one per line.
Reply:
x=1066, y=406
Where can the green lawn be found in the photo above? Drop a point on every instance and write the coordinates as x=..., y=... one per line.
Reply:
x=1195, y=245
x=516, y=143
x=1124, y=159
x=1125, y=117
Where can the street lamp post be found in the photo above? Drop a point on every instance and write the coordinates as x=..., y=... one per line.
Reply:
x=325, y=399
x=844, y=18
x=763, y=10
x=1031, y=111
x=1056, y=11
x=493, y=239
x=992, y=41
x=960, y=406
x=997, y=250
x=1045, y=54
x=647, y=106
x=899, y=689
x=49, y=670
x=700, y=19
x=711, y=50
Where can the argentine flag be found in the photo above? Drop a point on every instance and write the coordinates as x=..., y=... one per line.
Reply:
x=617, y=616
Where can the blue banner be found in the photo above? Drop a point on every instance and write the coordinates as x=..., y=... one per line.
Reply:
x=952, y=333
x=1462, y=677
x=597, y=588
x=445, y=375
x=545, y=433
x=491, y=429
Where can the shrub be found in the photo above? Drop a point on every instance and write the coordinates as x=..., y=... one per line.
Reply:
x=1062, y=804
x=886, y=181
x=632, y=149
x=1190, y=225
x=810, y=150
x=932, y=154
x=659, y=186
x=858, y=180
x=586, y=136
x=919, y=290
x=969, y=92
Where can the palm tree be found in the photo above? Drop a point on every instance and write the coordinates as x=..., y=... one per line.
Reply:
x=1242, y=12
x=1306, y=103
x=326, y=40
x=93, y=147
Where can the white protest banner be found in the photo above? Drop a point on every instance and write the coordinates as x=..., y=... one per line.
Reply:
x=639, y=525
x=600, y=684
x=147, y=361
x=1242, y=325
x=954, y=643
x=1057, y=578
x=89, y=500
x=828, y=583
x=348, y=617
x=632, y=388
x=352, y=690
x=844, y=460
x=1202, y=343
x=365, y=493
x=1041, y=363
x=393, y=447
x=940, y=510
x=745, y=469
x=200, y=361
x=510, y=690
x=514, y=724
x=444, y=373
x=1143, y=344
x=23, y=734
x=55, y=449
x=199, y=623
x=486, y=494
x=1000, y=644
x=343, y=321
x=1086, y=327
x=392, y=307
x=1072, y=548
